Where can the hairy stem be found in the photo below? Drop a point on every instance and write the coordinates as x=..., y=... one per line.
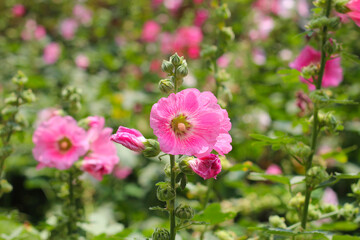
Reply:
x=172, y=202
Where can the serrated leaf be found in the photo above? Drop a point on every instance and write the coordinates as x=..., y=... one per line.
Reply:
x=274, y=178
x=213, y=215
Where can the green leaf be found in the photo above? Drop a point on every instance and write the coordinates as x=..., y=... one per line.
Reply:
x=213, y=215
x=340, y=226
x=276, y=142
x=274, y=178
x=183, y=182
x=288, y=233
x=345, y=237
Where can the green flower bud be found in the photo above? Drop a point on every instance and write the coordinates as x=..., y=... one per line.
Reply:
x=152, y=148
x=28, y=96
x=175, y=60
x=9, y=110
x=297, y=201
x=320, y=3
x=332, y=47
x=185, y=167
x=166, y=86
x=161, y=234
x=316, y=175
x=292, y=216
x=334, y=23
x=340, y=6
x=309, y=71
x=223, y=12
x=349, y=212
x=355, y=188
x=167, y=67
x=167, y=170
x=11, y=99
x=300, y=150
x=5, y=187
x=317, y=23
x=20, y=78
x=208, y=51
x=328, y=208
x=314, y=212
x=222, y=76
x=277, y=222
x=182, y=70
x=165, y=192
x=184, y=212
x=225, y=235
x=227, y=34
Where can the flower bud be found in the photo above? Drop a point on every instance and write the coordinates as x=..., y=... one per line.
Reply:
x=349, y=212
x=129, y=138
x=20, y=78
x=152, y=148
x=340, y=6
x=175, y=60
x=182, y=70
x=297, y=201
x=167, y=67
x=355, y=188
x=161, y=234
x=222, y=76
x=292, y=216
x=334, y=23
x=332, y=47
x=316, y=175
x=166, y=86
x=318, y=23
x=5, y=187
x=309, y=71
x=184, y=212
x=314, y=212
x=165, y=192
x=301, y=150
x=208, y=51
x=11, y=99
x=185, y=166
x=28, y=96
x=328, y=208
x=277, y=222
x=223, y=12
x=206, y=167
x=227, y=34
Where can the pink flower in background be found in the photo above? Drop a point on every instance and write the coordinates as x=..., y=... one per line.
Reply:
x=82, y=14
x=33, y=31
x=150, y=32
x=173, y=5
x=191, y=123
x=187, y=41
x=198, y=1
x=268, y=6
x=156, y=3
x=59, y=142
x=129, y=138
x=40, y=32
x=223, y=61
x=201, y=16
x=166, y=42
x=206, y=167
x=51, y=53
x=46, y=114
x=273, y=169
x=354, y=14
x=283, y=8
x=18, y=10
x=263, y=27
x=333, y=74
x=330, y=197
x=68, y=28
x=259, y=56
x=82, y=61
x=102, y=156
x=122, y=172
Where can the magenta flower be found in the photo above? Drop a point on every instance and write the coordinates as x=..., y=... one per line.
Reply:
x=201, y=16
x=191, y=123
x=82, y=61
x=122, y=172
x=273, y=169
x=129, y=138
x=206, y=167
x=187, y=41
x=223, y=61
x=333, y=74
x=68, y=28
x=354, y=14
x=33, y=31
x=102, y=156
x=59, y=142
x=150, y=32
x=51, y=53
x=18, y=10
x=45, y=114
x=82, y=14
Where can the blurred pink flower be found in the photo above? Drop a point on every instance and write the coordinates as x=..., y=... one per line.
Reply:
x=46, y=114
x=198, y=1
x=273, y=169
x=156, y=3
x=201, y=16
x=191, y=123
x=333, y=74
x=122, y=172
x=68, y=28
x=150, y=32
x=102, y=156
x=173, y=5
x=223, y=61
x=129, y=138
x=166, y=42
x=82, y=14
x=18, y=10
x=263, y=27
x=268, y=6
x=187, y=41
x=51, y=53
x=40, y=32
x=330, y=197
x=343, y=17
x=206, y=167
x=59, y=142
x=33, y=31
x=82, y=61
x=283, y=8
x=259, y=56
x=354, y=14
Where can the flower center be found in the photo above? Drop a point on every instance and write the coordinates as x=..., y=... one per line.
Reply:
x=64, y=144
x=180, y=125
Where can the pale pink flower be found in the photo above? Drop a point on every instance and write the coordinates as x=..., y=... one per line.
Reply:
x=122, y=172
x=156, y=3
x=150, y=32
x=273, y=169
x=129, y=138
x=59, y=142
x=82, y=61
x=82, y=14
x=223, y=61
x=206, y=167
x=268, y=6
x=187, y=41
x=330, y=197
x=40, y=32
x=166, y=43
x=191, y=123
x=102, y=156
x=198, y=1
x=18, y=10
x=173, y=5
x=33, y=31
x=46, y=114
x=259, y=56
x=201, y=16
x=68, y=28
x=333, y=74
x=354, y=14
x=51, y=53
x=263, y=27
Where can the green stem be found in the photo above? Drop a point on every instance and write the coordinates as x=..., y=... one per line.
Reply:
x=71, y=220
x=327, y=215
x=315, y=127
x=172, y=202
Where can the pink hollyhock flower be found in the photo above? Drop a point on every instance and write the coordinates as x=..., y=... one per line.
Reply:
x=51, y=53
x=191, y=123
x=333, y=74
x=273, y=169
x=263, y=27
x=82, y=14
x=129, y=138
x=33, y=31
x=198, y=1
x=46, y=114
x=330, y=197
x=68, y=28
x=268, y=6
x=166, y=42
x=59, y=142
x=82, y=61
x=223, y=61
x=187, y=41
x=40, y=32
x=173, y=5
x=156, y=3
x=206, y=167
x=151, y=30
x=18, y=10
x=122, y=172
x=102, y=157
x=354, y=14
x=259, y=56
x=201, y=16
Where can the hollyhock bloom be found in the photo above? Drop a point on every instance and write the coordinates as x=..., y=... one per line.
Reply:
x=259, y=56
x=82, y=61
x=129, y=138
x=283, y=8
x=173, y=5
x=151, y=30
x=68, y=28
x=40, y=32
x=206, y=167
x=201, y=16
x=156, y=3
x=264, y=26
x=102, y=157
x=18, y=10
x=51, y=53
x=273, y=169
x=333, y=74
x=191, y=123
x=33, y=31
x=330, y=197
x=122, y=172
x=82, y=14
x=46, y=114
x=187, y=41
x=354, y=14
x=59, y=142
x=223, y=61
x=198, y=1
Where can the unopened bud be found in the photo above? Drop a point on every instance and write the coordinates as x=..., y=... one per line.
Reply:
x=301, y=150
x=185, y=166
x=167, y=67
x=175, y=60
x=309, y=71
x=297, y=201
x=340, y=6
x=332, y=47
x=334, y=23
x=11, y=99
x=165, y=192
x=182, y=71
x=28, y=96
x=355, y=188
x=166, y=86
x=20, y=78
x=222, y=76
x=316, y=175
x=349, y=212
x=184, y=212
x=318, y=23
x=227, y=34
x=161, y=234
x=277, y=222
x=152, y=148
x=223, y=12
x=208, y=51
x=314, y=212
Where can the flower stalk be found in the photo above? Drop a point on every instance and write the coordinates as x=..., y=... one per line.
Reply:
x=171, y=206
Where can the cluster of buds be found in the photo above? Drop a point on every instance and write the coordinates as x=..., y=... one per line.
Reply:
x=297, y=201
x=277, y=222
x=184, y=212
x=332, y=47
x=320, y=22
x=161, y=234
x=310, y=71
x=177, y=69
x=300, y=150
x=316, y=175
x=349, y=212
x=71, y=97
